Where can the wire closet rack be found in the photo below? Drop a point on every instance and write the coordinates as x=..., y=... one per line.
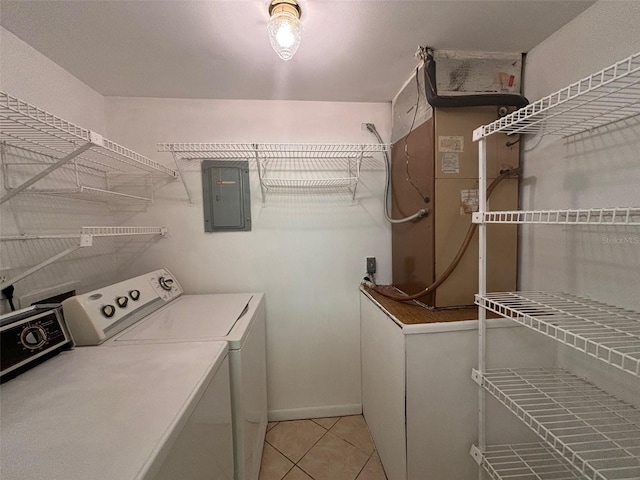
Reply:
x=592, y=216
x=58, y=143
x=85, y=239
x=586, y=432
x=51, y=156
x=525, y=461
x=286, y=166
x=597, y=433
x=605, y=97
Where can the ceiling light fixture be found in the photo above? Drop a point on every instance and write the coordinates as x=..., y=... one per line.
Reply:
x=285, y=29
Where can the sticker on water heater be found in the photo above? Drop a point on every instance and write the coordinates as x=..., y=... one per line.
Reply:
x=469, y=201
x=450, y=162
x=453, y=144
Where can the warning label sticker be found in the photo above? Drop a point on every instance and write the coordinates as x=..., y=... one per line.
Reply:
x=450, y=163
x=469, y=201
x=451, y=144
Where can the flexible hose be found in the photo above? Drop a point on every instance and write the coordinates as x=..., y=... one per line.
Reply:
x=420, y=213
x=456, y=260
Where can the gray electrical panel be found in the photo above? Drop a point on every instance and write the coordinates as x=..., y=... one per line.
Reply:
x=226, y=196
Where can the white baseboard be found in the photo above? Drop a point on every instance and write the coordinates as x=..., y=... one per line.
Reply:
x=314, y=412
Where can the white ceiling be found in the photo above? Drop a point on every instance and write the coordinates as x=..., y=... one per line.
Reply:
x=350, y=51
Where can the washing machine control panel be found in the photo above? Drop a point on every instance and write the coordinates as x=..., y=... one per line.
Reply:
x=164, y=285
x=96, y=316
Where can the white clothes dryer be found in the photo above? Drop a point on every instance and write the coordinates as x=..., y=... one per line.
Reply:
x=151, y=309
x=140, y=412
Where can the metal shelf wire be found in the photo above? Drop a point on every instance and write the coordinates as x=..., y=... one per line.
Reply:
x=89, y=194
x=310, y=182
x=596, y=432
x=26, y=126
x=200, y=151
x=102, y=231
x=608, y=96
x=85, y=239
x=119, y=231
x=75, y=181
x=607, y=333
x=619, y=216
x=285, y=165
x=529, y=461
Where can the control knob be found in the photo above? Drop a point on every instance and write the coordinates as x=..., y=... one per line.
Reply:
x=134, y=295
x=166, y=283
x=33, y=337
x=122, y=301
x=108, y=311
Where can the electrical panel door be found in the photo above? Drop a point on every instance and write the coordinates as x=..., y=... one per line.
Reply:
x=226, y=195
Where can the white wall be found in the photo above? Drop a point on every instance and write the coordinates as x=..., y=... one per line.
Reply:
x=28, y=75
x=598, y=169
x=306, y=252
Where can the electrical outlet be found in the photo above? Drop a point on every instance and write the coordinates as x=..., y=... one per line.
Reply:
x=371, y=265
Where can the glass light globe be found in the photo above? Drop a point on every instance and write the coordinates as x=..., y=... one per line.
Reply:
x=285, y=30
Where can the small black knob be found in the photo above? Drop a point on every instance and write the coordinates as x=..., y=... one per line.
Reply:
x=166, y=283
x=108, y=311
x=122, y=301
x=33, y=337
x=134, y=295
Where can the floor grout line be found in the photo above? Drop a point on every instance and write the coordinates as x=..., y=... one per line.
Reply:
x=326, y=430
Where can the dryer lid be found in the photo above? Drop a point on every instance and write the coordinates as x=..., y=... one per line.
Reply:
x=193, y=318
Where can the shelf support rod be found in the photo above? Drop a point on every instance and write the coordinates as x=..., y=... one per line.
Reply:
x=184, y=182
x=358, y=164
x=45, y=172
x=263, y=189
x=85, y=241
x=482, y=290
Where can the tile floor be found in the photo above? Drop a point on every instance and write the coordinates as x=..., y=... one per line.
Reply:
x=337, y=448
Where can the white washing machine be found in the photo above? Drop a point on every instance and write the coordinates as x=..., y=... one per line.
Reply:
x=151, y=309
x=142, y=412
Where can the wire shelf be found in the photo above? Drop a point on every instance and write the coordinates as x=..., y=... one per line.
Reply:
x=120, y=231
x=84, y=239
x=89, y=194
x=200, y=151
x=596, y=432
x=285, y=165
x=310, y=182
x=102, y=231
x=619, y=216
x=608, y=96
x=607, y=333
x=529, y=461
x=73, y=180
x=27, y=126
